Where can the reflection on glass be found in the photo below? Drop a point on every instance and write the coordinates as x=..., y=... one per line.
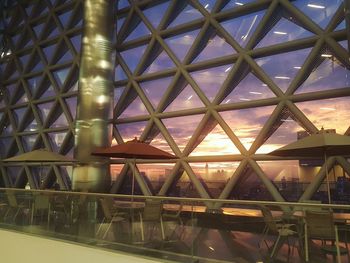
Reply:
x=215, y=143
x=214, y=175
x=154, y=89
x=247, y=129
x=44, y=110
x=115, y=170
x=129, y=131
x=61, y=121
x=285, y=30
x=341, y=26
x=210, y=80
x=61, y=76
x=132, y=56
x=19, y=114
x=242, y=28
x=289, y=177
x=33, y=84
x=208, y=4
x=28, y=141
x=328, y=113
x=183, y=187
x=285, y=134
x=162, y=62
x=187, y=15
x=236, y=3
x=140, y=31
x=283, y=67
x=56, y=140
x=136, y=108
x=216, y=47
x=320, y=11
x=180, y=44
x=250, y=88
x=182, y=128
x=330, y=74
x=187, y=99
x=32, y=126
x=155, y=14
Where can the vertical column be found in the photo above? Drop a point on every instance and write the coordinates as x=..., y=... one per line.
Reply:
x=347, y=20
x=94, y=97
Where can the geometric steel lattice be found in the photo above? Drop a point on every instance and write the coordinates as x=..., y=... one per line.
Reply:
x=217, y=83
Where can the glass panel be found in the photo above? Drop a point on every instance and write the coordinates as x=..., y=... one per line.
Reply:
x=117, y=94
x=24, y=60
x=242, y=28
x=282, y=68
x=5, y=143
x=61, y=76
x=154, y=89
x=155, y=14
x=119, y=74
x=19, y=114
x=214, y=175
x=247, y=129
x=187, y=15
x=132, y=56
x=67, y=57
x=7, y=128
x=156, y=174
x=28, y=142
x=183, y=187
x=120, y=23
x=33, y=84
x=64, y=18
x=208, y=4
x=162, y=62
x=61, y=121
x=123, y=3
x=187, y=99
x=9, y=92
x=56, y=139
x=238, y=3
x=54, y=32
x=215, y=143
x=38, y=29
x=331, y=74
x=115, y=170
x=289, y=177
x=284, y=31
x=250, y=88
x=33, y=126
x=135, y=108
x=216, y=47
x=180, y=44
x=72, y=106
x=44, y=110
x=140, y=31
x=320, y=11
x=182, y=128
x=285, y=134
x=328, y=113
x=48, y=89
x=210, y=80
x=160, y=143
x=13, y=173
x=76, y=41
x=344, y=44
x=129, y=131
x=341, y=26
x=49, y=52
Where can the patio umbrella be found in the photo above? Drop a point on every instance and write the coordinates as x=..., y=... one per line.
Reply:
x=133, y=149
x=321, y=144
x=40, y=156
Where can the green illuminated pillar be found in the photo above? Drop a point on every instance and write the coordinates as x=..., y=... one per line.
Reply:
x=94, y=97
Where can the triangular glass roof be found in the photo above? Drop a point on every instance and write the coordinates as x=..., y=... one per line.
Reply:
x=76, y=41
x=160, y=143
x=215, y=143
x=285, y=30
x=216, y=47
x=156, y=13
x=235, y=4
x=180, y=44
x=136, y=108
x=162, y=62
x=210, y=80
x=187, y=15
x=129, y=131
x=250, y=88
x=65, y=17
x=28, y=141
x=119, y=74
x=187, y=99
x=140, y=31
x=154, y=89
x=61, y=121
x=72, y=106
x=56, y=140
x=132, y=56
x=208, y=4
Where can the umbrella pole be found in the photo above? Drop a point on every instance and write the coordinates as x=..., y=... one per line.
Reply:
x=327, y=179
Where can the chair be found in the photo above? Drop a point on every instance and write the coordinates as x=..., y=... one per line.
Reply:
x=152, y=212
x=277, y=227
x=111, y=215
x=320, y=225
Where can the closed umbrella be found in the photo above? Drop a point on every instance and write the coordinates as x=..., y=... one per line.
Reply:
x=321, y=144
x=133, y=149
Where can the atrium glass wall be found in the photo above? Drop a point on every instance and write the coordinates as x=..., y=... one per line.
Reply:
x=218, y=83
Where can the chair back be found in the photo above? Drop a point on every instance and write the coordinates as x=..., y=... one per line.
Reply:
x=320, y=224
x=152, y=210
x=268, y=219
